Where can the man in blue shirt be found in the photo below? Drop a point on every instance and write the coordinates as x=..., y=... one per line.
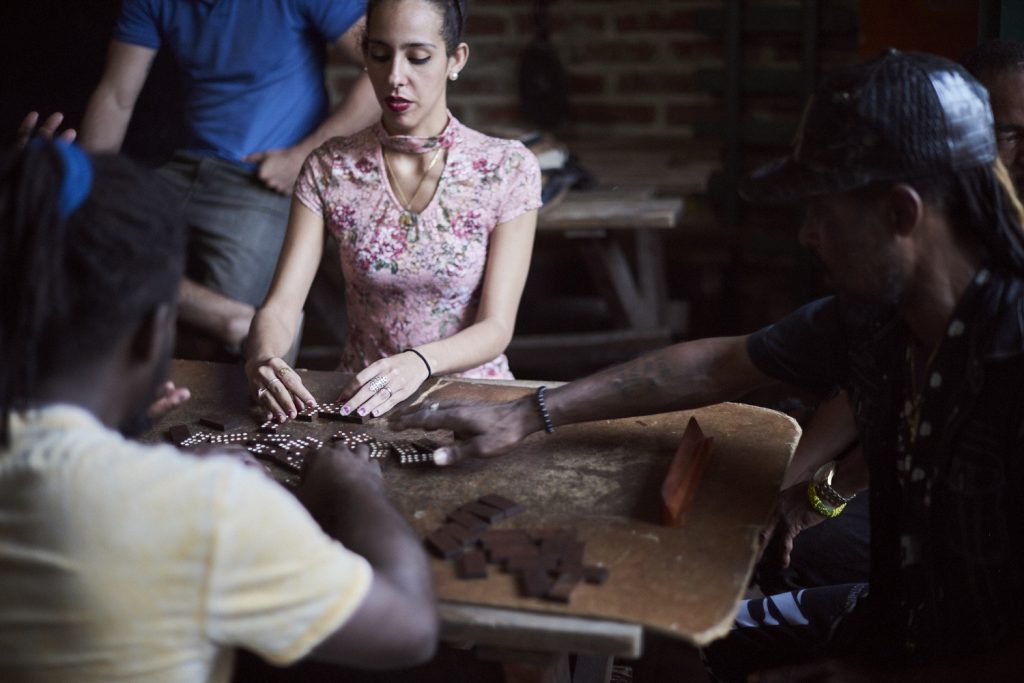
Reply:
x=256, y=105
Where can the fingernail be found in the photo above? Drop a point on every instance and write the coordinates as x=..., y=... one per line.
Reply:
x=443, y=456
x=377, y=412
x=311, y=403
x=291, y=413
x=270, y=416
x=281, y=417
x=362, y=411
x=345, y=410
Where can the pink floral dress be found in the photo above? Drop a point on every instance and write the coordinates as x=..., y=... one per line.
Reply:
x=407, y=285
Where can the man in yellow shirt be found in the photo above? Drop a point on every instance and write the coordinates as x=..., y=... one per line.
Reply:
x=122, y=561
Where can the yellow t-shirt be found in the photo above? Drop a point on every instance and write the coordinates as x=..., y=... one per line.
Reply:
x=124, y=562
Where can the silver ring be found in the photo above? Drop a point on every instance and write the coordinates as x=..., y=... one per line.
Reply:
x=272, y=383
x=259, y=394
x=389, y=393
x=377, y=383
x=433, y=406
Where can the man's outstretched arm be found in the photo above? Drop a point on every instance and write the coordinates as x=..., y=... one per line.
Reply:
x=683, y=376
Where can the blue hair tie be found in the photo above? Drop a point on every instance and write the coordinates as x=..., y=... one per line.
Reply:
x=76, y=183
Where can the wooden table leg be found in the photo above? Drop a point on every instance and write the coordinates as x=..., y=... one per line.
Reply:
x=592, y=669
x=523, y=666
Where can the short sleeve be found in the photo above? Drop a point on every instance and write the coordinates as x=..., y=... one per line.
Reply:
x=522, y=189
x=807, y=348
x=331, y=18
x=278, y=585
x=138, y=23
x=312, y=180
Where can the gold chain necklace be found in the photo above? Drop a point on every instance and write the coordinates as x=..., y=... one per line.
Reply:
x=410, y=219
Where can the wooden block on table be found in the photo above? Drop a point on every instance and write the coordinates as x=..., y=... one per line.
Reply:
x=484, y=512
x=471, y=522
x=179, y=433
x=460, y=533
x=444, y=545
x=501, y=552
x=684, y=474
x=595, y=574
x=509, y=508
x=472, y=565
x=519, y=563
x=572, y=555
x=505, y=537
x=535, y=583
x=561, y=590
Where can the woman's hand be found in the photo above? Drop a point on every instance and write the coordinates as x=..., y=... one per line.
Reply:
x=276, y=387
x=384, y=384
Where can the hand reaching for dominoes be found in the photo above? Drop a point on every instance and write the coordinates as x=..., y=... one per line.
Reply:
x=482, y=430
x=168, y=398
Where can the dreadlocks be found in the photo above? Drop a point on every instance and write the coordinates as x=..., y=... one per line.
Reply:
x=88, y=247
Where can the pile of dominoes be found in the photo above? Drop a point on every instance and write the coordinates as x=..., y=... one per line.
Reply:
x=548, y=562
x=290, y=452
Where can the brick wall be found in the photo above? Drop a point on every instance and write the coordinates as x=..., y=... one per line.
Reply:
x=632, y=67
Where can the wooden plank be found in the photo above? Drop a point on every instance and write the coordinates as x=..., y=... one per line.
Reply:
x=521, y=630
x=578, y=211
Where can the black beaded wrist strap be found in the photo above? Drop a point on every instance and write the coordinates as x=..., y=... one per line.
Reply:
x=430, y=373
x=549, y=426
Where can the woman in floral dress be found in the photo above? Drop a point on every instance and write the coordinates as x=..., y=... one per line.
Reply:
x=434, y=221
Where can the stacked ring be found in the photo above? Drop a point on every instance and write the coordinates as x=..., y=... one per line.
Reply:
x=377, y=383
x=272, y=382
x=283, y=371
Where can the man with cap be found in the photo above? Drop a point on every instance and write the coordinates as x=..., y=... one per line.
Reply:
x=838, y=552
x=916, y=222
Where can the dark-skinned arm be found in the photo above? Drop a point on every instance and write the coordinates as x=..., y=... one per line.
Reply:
x=682, y=376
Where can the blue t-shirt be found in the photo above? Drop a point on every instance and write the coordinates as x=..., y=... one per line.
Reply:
x=252, y=69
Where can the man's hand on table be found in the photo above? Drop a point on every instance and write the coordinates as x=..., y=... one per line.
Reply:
x=482, y=430
x=334, y=469
x=791, y=515
x=168, y=398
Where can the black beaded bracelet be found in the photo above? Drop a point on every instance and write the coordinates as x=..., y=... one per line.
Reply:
x=549, y=426
x=430, y=373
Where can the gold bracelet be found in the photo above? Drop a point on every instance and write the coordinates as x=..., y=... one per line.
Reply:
x=820, y=506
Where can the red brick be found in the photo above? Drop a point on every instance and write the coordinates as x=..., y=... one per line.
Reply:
x=562, y=22
x=612, y=113
x=688, y=114
x=587, y=84
x=486, y=25
x=664, y=82
x=697, y=49
x=613, y=51
x=484, y=84
x=499, y=113
x=655, y=21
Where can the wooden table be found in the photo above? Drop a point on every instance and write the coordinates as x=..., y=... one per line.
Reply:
x=594, y=224
x=639, y=195
x=601, y=478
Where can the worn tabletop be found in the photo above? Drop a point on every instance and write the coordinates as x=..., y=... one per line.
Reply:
x=600, y=478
